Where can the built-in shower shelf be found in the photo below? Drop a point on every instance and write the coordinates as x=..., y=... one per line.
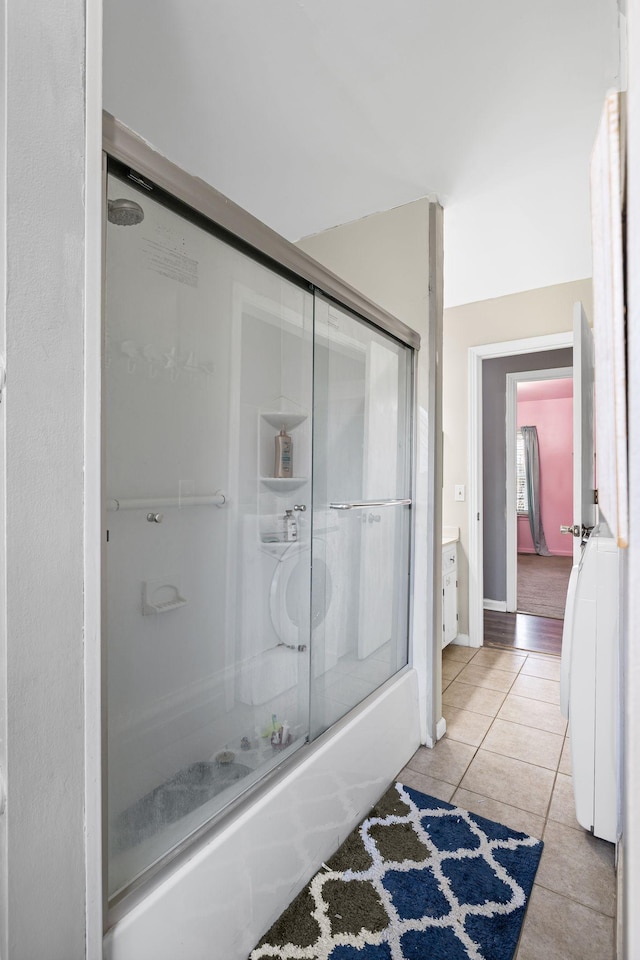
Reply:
x=283, y=419
x=283, y=484
x=277, y=548
x=161, y=596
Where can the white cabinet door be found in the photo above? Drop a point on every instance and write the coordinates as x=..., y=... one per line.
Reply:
x=449, y=608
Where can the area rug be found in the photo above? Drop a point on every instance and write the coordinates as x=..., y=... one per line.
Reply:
x=419, y=879
x=542, y=585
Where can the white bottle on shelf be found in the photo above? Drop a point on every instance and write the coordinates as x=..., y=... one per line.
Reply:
x=290, y=526
x=284, y=456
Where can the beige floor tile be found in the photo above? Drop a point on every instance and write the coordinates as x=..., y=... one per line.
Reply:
x=563, y=807
x=565, y=758
x=524, y=743
x=451, y=668
x=476, y=699
x=429, y=785
x=464, y=725
x=454, y=651
x=445, y=684
x=556, y=928
x=485, y=657
x=447, y=761
x=536, y=688
x=510, y=781
x=533, y=713
x=489, y=677
x=546, y=669
x=579, y=866
x=500, y=812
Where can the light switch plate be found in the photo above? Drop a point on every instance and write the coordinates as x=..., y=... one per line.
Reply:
x=458, y=491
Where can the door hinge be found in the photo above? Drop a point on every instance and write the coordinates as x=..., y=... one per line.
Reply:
x=107, y=536
x=595, y=496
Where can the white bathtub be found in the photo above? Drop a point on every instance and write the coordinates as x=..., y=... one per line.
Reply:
x=218, y=904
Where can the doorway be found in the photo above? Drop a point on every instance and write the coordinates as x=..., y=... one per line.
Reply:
x=490, y=620
x=539, y=413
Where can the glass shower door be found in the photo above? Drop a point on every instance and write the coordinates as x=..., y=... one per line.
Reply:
x=362, y=504
x=208, y=358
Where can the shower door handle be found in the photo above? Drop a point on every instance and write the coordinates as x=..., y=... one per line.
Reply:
x=365, y=504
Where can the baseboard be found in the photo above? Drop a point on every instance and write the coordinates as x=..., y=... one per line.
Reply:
x=554, y=553
x=500, y=606
x=441, y=728
x=461, y=640
x=620, y=900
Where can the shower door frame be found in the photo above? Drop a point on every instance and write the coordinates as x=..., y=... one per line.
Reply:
x=241, y=229
x=123, y=145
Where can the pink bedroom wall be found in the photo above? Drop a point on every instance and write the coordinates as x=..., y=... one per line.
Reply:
x=554, y=420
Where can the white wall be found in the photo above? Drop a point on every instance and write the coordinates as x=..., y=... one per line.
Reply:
x=490, y=107
x=395, y=258
x=529, y=314
x=527, y=230
x=52, y=118
x=629, y=887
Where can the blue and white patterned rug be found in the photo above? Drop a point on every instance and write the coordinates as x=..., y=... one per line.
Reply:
x=419, y=879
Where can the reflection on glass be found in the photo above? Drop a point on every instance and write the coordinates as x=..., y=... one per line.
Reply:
x=224, y=652
x=208, y=357
x=361, y=453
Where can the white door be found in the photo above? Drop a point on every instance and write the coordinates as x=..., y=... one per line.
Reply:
x=584, y=511
x=380, y=471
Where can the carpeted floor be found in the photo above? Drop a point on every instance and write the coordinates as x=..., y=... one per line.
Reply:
x=542, y=585
x=419, y=878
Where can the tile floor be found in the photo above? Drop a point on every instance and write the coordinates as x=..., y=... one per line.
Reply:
x=506, y=756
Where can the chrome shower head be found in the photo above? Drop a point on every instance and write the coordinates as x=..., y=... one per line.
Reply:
x=124, y=213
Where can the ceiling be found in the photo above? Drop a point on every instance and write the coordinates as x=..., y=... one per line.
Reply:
x=559, y=389
x=312, y=113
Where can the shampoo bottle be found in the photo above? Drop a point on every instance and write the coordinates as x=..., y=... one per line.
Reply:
x=290, y=526
x=284, y=455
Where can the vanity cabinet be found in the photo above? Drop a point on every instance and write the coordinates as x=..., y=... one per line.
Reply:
x=449, y=593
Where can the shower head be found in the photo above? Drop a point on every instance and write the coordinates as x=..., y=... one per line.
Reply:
x=124, y=213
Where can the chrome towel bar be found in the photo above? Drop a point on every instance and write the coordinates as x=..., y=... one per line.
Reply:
x=218, y=499
x=365, y=504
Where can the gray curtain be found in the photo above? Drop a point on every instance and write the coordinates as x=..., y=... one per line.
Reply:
x=532, y=469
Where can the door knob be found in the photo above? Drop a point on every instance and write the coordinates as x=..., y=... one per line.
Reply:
x=571, y=528
x=576, y=530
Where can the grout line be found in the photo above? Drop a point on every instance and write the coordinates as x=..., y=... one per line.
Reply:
x=545, y=818
x=565, y=896
x=553, y=787
x=508, y=756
